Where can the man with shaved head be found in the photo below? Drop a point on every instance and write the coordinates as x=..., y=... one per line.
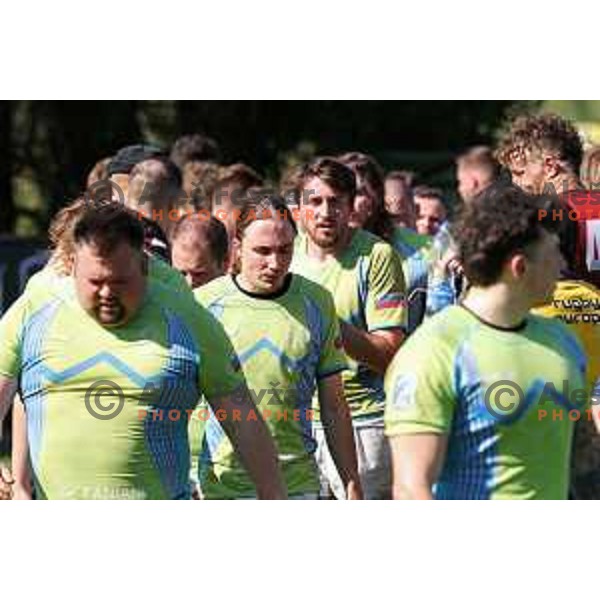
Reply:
x=199, y=249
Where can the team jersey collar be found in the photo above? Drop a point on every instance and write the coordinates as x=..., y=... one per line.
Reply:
x=520, y=327
x=282, y=292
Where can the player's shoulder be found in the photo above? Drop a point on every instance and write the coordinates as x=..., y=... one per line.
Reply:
x=405, y=235
x=213, y=290
x=161, y=271
x=164, y=297
x=434, y=346
x=448, y=327
x=550, y=327
x=379, y=252
x=311, y=289
x=47, y=286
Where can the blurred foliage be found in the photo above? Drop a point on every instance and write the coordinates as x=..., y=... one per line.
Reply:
x=48, y=147
x=578, y=110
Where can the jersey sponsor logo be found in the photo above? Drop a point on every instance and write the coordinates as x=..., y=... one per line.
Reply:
x=391, y=300
x=404, y=395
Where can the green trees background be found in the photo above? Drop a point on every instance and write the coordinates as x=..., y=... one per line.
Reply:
x=48, y=147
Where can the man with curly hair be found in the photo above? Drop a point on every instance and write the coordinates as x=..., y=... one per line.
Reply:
x=543, y=154
x=469, y=422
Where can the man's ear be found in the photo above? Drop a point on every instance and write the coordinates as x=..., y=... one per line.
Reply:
x=518, y=265
x=70, y=264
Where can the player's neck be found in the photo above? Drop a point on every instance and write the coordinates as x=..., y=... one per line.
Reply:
x=497, y=306
x=322, y=254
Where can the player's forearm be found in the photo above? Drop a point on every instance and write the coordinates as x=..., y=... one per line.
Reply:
x=367, y=348
x=258, y=454
x=20, y=452
x=8, y=389
x=337, y=422
x=254, y=445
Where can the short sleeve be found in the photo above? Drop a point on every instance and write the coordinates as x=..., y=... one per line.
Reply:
x=220, y=369
x=333, y=357
x=386, y=306
x=419, y=387
x=11, y=334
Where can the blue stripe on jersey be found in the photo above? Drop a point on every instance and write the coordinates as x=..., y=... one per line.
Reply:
x=166, y=437
x=89, y=363
x=32, y=376
x=363, y=292
x=307, y=369
x=572, y=348
x=468, y=471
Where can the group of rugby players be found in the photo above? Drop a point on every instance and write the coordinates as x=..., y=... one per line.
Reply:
x=197, y=334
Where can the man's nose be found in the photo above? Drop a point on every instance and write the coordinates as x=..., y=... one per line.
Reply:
x=327, y=209
x=105, y=291
x=275, y=261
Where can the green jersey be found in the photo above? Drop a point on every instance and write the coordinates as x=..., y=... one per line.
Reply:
x=286, y=342
x=367, y=284
x=108, y=408
x=501, y=396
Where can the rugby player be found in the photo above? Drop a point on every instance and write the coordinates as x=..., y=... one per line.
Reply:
x=199, y=249
x=155, y=352
x=544, y=153
x=285, y=330
x=364, y=275
x=466, y=395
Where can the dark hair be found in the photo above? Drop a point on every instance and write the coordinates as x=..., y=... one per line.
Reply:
x=199, y=179
x=173, y=173
x=244, y=176
x=108, y=225
x=369, y=174
x=260, y=204
x=194, y=147
x=290, y=184
x=126, y=158
x=161, y=183
x=212, y=230
x=332, y=172
x=426, y=191
x=547, y=132
x=496, y=225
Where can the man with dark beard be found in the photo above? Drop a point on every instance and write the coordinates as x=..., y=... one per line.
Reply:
x=364, y=275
